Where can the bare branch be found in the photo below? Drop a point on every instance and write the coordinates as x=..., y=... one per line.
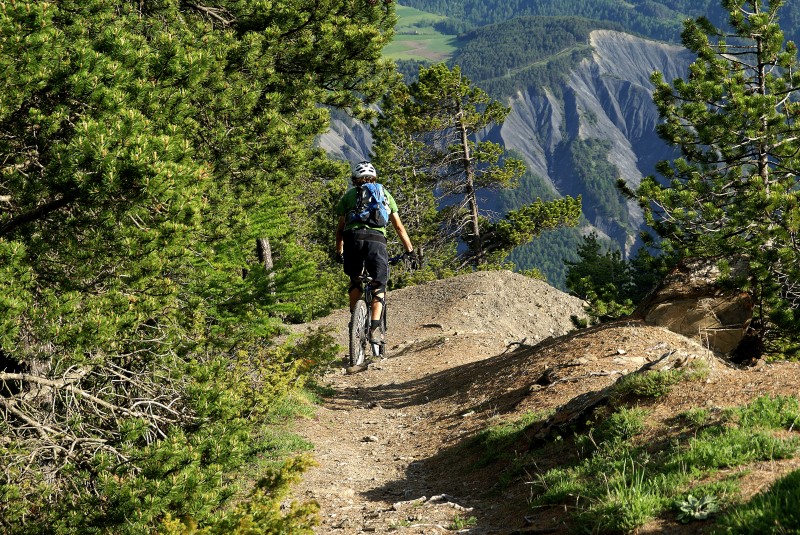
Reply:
x=65, y=385
x=215, y=13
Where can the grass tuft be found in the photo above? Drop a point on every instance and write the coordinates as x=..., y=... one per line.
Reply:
x=775, y=511
x=656, y=384
x=496, y=440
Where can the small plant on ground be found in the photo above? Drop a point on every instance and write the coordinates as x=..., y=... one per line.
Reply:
x=696, y=417
x=631, y=498
x=656, y=384
x=622, y=424
x=460, y=523
x=697, y=508
x=394, y=525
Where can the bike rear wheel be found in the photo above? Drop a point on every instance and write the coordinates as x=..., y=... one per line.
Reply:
x=359, y=334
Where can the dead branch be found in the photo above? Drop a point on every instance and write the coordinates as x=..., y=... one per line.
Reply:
x=215, y=13
x=67, y=386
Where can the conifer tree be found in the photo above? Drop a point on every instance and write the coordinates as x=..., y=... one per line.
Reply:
x=144, y=146
x=427, y=141
x=734, y=192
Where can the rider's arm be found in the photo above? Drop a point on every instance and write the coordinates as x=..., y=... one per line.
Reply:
x=401, y=231
x=340, y=235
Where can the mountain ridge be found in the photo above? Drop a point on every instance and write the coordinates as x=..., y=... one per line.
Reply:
x=605, y=97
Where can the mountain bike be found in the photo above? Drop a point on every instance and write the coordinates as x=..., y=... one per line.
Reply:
x=360, y=343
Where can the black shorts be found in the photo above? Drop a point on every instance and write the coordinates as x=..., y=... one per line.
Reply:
x=365, y=248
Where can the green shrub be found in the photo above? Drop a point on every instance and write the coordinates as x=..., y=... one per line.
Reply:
x=696, y=417
x=655, y=384
x=202, y=471
x=622, y=425
x=261, y=512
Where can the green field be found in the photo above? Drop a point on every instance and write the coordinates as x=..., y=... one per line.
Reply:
x=415, y=37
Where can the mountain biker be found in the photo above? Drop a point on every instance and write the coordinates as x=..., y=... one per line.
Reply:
x=360, y=246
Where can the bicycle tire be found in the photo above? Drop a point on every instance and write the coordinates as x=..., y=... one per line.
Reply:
x=358, y=334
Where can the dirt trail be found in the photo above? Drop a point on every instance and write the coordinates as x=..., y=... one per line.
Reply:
x=391, y=443
x=386, y=436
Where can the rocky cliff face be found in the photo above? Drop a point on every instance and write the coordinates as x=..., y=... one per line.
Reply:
x=607, y=97
x=346, y=139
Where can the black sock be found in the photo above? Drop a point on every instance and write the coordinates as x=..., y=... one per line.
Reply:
x=374, y=324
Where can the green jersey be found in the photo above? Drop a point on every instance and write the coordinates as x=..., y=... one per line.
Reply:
x=348, y=203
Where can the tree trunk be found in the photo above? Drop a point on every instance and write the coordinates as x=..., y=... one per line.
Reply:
x=264, y=252
x=469, y=190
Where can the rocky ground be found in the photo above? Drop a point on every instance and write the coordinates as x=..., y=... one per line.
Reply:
x=393, y=443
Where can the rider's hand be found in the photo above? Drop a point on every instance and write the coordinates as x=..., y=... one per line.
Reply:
x=412, y=259
x=339, y=258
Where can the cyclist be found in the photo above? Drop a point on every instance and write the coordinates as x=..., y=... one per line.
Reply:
x=360, y=246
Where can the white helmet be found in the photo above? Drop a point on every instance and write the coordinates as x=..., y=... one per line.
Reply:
x=364, y=169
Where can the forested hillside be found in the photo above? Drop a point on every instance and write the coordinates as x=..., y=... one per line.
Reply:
x=582, y=113
x=510, y=56
x=658, y=19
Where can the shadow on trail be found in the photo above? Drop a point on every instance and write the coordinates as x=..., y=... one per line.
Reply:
x=436, y=386
x=456, y=381
x=455, y=473
x=459, y=469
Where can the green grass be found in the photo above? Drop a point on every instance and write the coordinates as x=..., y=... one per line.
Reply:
x=622, y=480
x=296, y=403
x=494, y=441
x=460, y=523
x=621, y=473
x=409, y=17
x=277, y=441
x=655, y=384
x=416, y=38
x=775, y=511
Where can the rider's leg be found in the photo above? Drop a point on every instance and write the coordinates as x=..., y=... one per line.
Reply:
x=353, y=265
x=377, y=265
x=377, y=303
x=375, y=332
x=376, y=262
x=355, y=295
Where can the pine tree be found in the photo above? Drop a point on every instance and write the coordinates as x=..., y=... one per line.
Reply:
x=733, y=193
x=428, y=142
x=144, y=147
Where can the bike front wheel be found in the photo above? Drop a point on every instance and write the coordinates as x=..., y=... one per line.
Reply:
x=359, y=334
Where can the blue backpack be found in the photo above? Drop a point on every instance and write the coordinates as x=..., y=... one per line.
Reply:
x=372, y=206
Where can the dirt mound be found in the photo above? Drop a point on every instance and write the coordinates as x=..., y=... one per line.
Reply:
x=392, y=442
x=502, y=305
